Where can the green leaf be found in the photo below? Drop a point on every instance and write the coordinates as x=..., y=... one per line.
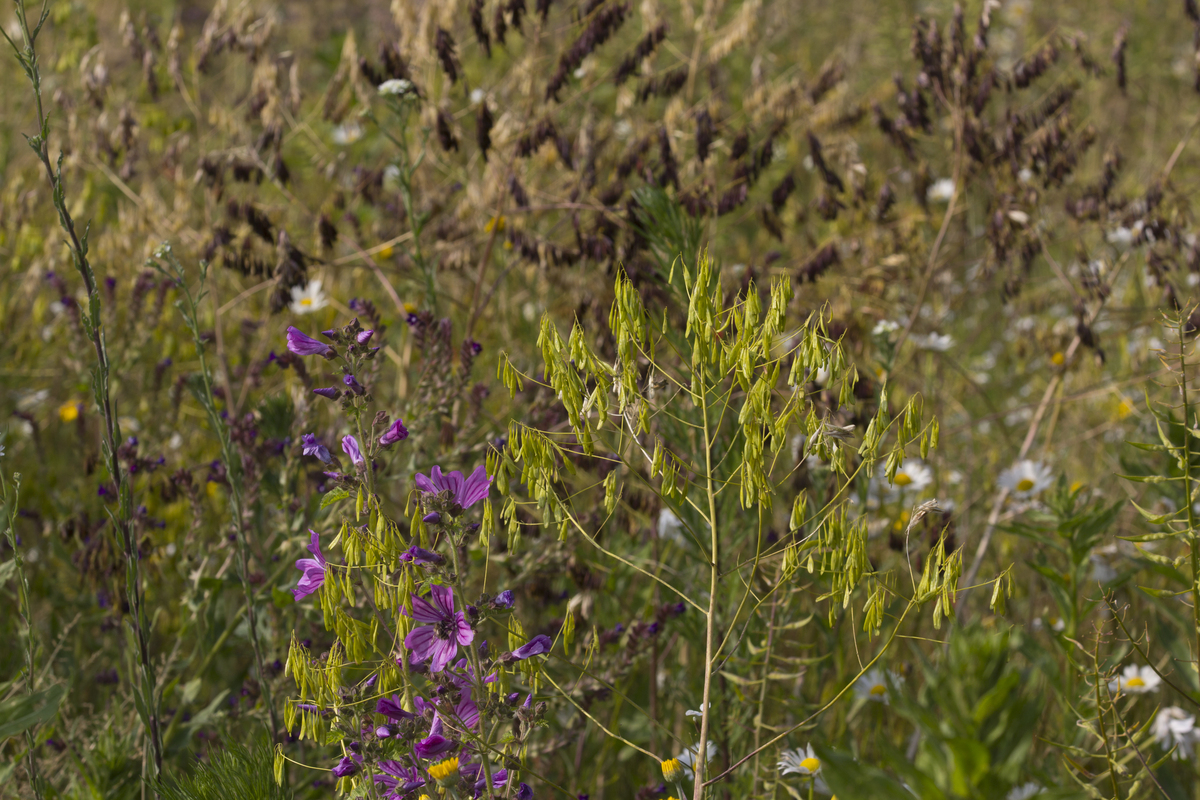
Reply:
x=20, y=713
x=7, y=570
x=281, y=599
x=332, y=497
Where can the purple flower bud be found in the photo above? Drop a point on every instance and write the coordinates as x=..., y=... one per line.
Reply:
x=329, y=392
x=350, y=448
x=345, y=767
x=538, y=645
x=311, y=447
x=652, y=629
x=432, y=518
x=395, y=433
x=528, y=701
x=364, y=336
x=513, y=698
x=419, y=555
x=503, y=600
x=385, y=732
x=476, y=348
x=524, y=792
x=353, y=385
x=483, y=649
x=413, y=320
x=303, y=345
x=331, y=334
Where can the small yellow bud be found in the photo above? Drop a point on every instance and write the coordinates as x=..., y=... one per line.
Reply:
x=68, y=412
x=1058, y=359
x=672, y=770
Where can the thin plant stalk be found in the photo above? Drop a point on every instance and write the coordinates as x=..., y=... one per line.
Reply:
x=188, y=306
x=146, y=694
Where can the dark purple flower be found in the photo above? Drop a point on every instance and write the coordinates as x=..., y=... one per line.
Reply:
x=311, y=447
x=329, y=392
x=466, y=492
x=399, y=778
x=392, y=709
x=419, y=555
x=475, y=346
x=385, y=731
x=347, y=766
x=396, y=433
x=440, y=639
x=524, y=792
x=353, y=385
x=432, y=518
x=303, y=345
x=469, y=771
x=436, y=742
x=313, y=569
x=331, y=334
x=350, y=448
x=538, y=645
x=503, y=600
x=364, y=336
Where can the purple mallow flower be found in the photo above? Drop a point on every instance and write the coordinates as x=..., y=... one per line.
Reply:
x=524, y=792
x=436, y=742
x=313, y=569
x=311, y=447
x=392, y=709
x=350, y=448
x=399, y=778
x=346, y=767
x=329, y=392
x=353, y=385
x=419, y=555
x=538, y=645
x=466, y=492
x=304, y=345
x=475, y=771
x=396, y=433
x=446, y=630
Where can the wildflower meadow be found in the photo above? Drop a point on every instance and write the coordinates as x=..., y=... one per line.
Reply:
x=599, y=399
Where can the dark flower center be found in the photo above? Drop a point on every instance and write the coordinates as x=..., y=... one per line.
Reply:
x=445, y=628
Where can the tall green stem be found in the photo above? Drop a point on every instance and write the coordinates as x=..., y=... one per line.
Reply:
x=701, y=760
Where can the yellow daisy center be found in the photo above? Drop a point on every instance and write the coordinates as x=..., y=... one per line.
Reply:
x=1024, y=485
x=1136, y=683
x=306, y=301
x=68, y=412
x=811, y=764
x=1058, y=359
x=878, y=689
x=444, y=769
x=902, y=479
x=672, y=770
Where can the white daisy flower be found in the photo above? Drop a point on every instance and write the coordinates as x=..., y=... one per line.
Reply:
x=306, y=299
x=874, y=685
x=1024, y=792
x=696, y=713
x=884, y=327
x=934, y=341
x=1120, y=236
x=802, y=761
x=1175, y=729
x=688, y=756
x=396, y=86
x=941, y=191
x=670, y=526
x=913, y=476
x=347, y=133
x=1135, y=680
x=1026, y=478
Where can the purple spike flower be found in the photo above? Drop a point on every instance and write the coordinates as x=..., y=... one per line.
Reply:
x=313, y=569
x=329, y=392
x=311, y=447
x=440, y=639
x=304, y=345
x=538, y=645
x=396, y=433
x=350, y=448
x=353, y=385
x=392, y=709
x=364, y=336
x=466, y=492
x=432, y=518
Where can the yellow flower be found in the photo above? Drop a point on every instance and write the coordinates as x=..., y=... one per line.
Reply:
x=1058, y=359
x=496, y=223
x=211, y=488
x=410, y=308
x=68, y=412
x=672, y=770
x=1124, y=408
x=445, y=772
x=387, y=252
